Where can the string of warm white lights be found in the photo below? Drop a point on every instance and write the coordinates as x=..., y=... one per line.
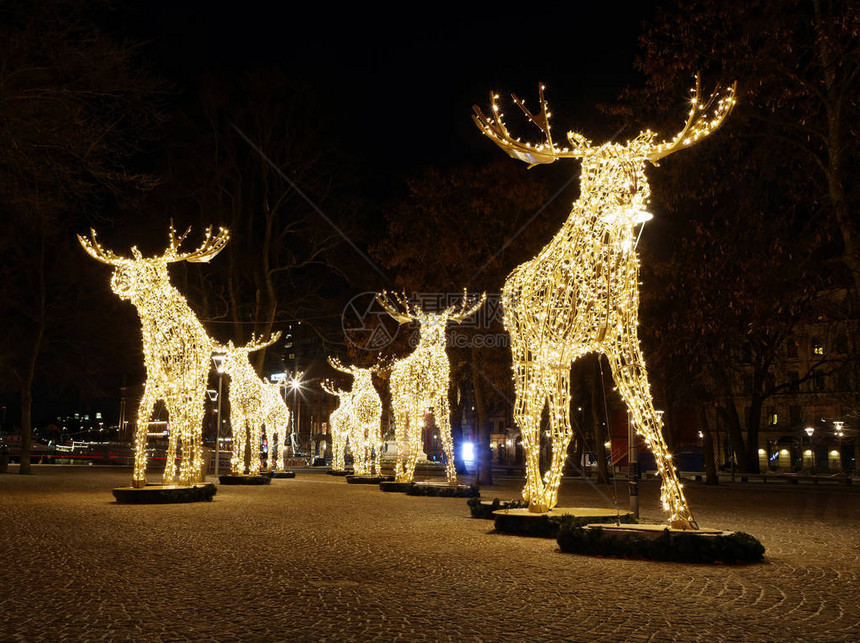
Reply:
x=340, y=422
x=366, y=423
x=420, y=382
x=580, y=294
x=176, y=349
x=254, y=403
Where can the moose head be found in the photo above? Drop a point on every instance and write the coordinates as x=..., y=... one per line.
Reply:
x=139, y=278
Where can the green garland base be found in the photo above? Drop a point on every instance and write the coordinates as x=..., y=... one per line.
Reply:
x=443, y=490
x=278, y=475
x=351, y=479
x=700, y=546
x=394, y=487
x=522, y=522
x=156, y=494
x=245, y=480
x=483, y=509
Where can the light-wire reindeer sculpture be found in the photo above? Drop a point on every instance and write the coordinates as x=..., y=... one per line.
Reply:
x=366, y=434
x=419, y=382
x=176, y=349
x=580, y=294
x=254, y=402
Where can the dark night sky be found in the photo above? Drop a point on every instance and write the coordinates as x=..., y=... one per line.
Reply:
x=401, y=82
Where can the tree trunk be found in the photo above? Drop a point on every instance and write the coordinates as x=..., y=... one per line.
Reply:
x=485, y=458
x=733, y=428
x=711, y=476
x=457, y=434
x=753, y=426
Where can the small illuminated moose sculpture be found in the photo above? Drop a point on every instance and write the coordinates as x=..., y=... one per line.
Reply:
x=365, y=436
x=580, y=294
x=420, y=382
x=176, y=349
x=341, y=421
x=253, y=403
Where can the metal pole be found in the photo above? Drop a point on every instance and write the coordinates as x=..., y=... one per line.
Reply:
x=632, y=468
x=218, y=428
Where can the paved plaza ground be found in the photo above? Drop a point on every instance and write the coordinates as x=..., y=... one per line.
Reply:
x=316, y=559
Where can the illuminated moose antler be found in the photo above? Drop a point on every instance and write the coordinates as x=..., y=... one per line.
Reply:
x=494, y=128
x=701, y=121
x=176, y=349
x=254, y=402
x=580, y=294
x=419, y=383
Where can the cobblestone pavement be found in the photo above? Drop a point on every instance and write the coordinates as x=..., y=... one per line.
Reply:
x=314, y=558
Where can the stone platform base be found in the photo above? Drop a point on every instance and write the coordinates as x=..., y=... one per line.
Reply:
x=159, y=494
x=244, y=480
x=443, y=490
x=351, y=479
x=339, y=473
x=281, y=474
x=522, y=522
x=660, y=542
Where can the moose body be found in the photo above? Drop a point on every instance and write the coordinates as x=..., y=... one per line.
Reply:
x=580, y=294
x=176, y=350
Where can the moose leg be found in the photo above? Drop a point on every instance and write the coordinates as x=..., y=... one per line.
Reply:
x=191, y=465
x=401, y=428
x=530, y=399
x=170, y=459
x=631, y=378
x=561, y=431
x=337, y=456
x=412, y=441
x=240, y=437
x=442, y=415
x=255, y=437
x=143, y=414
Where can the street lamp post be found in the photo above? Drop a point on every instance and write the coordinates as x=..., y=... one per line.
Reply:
x=218, y=360
x=809, y=431
x=296, y=385
x=632, y=467
x=838, y=429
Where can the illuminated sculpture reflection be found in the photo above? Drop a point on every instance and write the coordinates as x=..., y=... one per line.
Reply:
x=420, y=383
x=580, y=294
x=340, y=422
x=365, y=434
x=253, y=403
x=176, y=349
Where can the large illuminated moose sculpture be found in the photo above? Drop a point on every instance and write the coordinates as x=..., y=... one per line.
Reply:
x=176, y=349
x=366, y=430
x=341, y=422
x=580, y=294
x=420, y=382
x=253, y=403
